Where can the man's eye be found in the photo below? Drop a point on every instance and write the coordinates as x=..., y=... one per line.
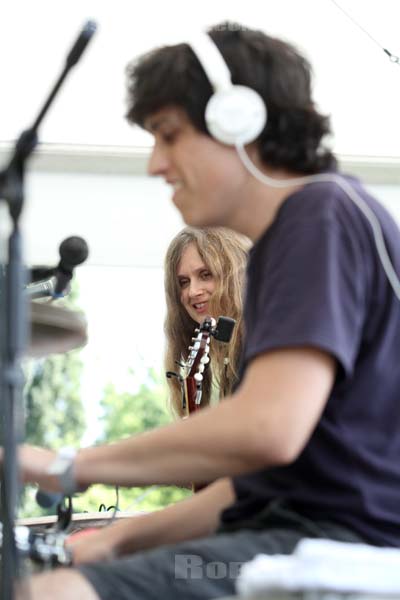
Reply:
x=169, y=138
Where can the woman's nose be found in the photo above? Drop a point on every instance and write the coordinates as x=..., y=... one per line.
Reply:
x=195, y=288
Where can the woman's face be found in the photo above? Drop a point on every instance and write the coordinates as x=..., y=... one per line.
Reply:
x=196, y=283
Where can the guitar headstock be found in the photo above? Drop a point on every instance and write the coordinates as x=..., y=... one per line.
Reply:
x=191, y=370
x=200, y=349
x=195, y=364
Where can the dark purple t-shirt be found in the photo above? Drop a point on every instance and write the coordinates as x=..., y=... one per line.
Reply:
x=314, y=279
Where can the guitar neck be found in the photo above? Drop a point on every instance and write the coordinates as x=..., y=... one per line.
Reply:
x=192, y=395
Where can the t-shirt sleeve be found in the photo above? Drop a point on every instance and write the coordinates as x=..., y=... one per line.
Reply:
x=310, y=291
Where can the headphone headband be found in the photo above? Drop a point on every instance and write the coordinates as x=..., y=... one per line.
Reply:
x=212, y=62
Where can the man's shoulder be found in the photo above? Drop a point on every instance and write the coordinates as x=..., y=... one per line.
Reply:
x=322, y=199
x=318, y=210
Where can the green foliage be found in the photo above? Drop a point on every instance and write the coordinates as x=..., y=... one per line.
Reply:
x=126, y=414
x=54, y=414
x=55, y=418
x=99, y=497
x=54, y=411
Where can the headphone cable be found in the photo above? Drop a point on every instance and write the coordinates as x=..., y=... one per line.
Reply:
x=348, y=190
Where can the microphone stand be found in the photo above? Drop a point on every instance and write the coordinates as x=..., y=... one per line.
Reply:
x=13, y=322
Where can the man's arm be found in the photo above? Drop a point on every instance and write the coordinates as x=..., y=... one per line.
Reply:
x=195, y=517
x=266, y=422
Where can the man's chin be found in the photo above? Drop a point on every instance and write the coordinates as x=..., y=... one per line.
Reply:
x=200, y=221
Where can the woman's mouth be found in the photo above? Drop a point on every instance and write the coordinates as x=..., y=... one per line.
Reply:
x=200, y=307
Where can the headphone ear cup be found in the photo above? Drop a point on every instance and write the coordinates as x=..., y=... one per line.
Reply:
x=236, y=115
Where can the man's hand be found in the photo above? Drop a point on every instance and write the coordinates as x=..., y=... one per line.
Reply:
x=91, y=545
x=192, y=518
x=34, y=463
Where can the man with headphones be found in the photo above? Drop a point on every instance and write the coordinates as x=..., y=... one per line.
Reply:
x=309, y=444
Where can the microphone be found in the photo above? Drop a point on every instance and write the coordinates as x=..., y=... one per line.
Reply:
x=47, y=499
x=54, y=282
x=73, y=251
x=81, y=43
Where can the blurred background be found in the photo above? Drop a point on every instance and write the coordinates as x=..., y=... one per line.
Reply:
x=88, y=178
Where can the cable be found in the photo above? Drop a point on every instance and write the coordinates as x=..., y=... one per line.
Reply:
x=349, y=191
x=116, y=507
x=142, y=496
x=393, y=58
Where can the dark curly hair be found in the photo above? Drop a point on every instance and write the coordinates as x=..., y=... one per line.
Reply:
x=293, y=136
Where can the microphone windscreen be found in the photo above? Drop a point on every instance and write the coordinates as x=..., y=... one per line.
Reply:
x=82, y=41
x=47, y=499
x=73, y=251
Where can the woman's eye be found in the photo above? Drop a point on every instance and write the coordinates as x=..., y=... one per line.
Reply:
x=206, y=275
x=183, y=283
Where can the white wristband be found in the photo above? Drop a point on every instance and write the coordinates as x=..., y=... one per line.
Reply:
x=63, y=468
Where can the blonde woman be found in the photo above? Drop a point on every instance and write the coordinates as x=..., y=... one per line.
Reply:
x=204, y=276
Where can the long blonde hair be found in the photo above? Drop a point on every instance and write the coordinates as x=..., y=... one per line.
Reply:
x=224, y=253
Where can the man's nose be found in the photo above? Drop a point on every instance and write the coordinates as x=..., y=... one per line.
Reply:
x=158, y=162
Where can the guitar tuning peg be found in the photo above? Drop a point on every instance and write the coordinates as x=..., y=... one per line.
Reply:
x=205, y=359
x=198, y=377
x=201, y=367
x=170, y=374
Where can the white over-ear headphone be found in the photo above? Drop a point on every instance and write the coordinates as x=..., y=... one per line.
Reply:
x=235, y=114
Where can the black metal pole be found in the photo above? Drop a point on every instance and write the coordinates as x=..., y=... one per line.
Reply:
x=14, y=324
x=15, y=319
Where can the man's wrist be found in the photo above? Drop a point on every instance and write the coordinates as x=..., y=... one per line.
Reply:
x=63, y=467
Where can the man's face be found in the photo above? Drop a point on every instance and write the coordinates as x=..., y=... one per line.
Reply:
x=207, y=177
